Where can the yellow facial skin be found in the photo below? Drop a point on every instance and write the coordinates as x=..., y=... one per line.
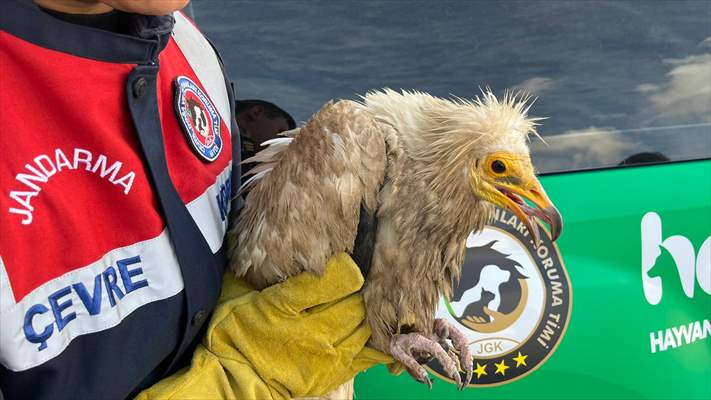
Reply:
x=502, y=178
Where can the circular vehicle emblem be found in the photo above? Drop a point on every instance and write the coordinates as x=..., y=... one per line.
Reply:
x=513, y=302
x=199, y=119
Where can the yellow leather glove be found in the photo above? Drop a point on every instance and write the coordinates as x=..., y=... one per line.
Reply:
x=303, y=337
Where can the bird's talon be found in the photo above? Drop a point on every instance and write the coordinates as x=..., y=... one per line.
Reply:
x=464, y=359
x=453, y=355
x=469, y=373
x=406, y=347
x=422, y=377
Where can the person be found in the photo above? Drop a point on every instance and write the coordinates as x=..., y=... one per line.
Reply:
x=119, y=153
x=259, y=121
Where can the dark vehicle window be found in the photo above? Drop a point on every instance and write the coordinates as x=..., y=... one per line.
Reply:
x=615, y=79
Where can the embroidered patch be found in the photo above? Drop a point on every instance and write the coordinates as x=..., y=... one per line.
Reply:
x=199, y=119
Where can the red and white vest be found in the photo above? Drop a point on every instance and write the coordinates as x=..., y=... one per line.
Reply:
x=93, y=298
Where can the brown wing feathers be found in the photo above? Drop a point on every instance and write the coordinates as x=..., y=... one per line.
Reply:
x=305, y=205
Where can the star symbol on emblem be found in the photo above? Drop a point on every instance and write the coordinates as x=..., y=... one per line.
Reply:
x=501, y=367
x=520, y=360
x=480, y=370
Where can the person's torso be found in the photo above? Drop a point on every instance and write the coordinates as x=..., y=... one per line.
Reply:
x=92, y=294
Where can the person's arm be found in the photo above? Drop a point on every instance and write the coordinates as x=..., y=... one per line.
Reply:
x=303, y=337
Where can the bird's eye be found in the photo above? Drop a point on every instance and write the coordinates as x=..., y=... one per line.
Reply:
x=498, y=167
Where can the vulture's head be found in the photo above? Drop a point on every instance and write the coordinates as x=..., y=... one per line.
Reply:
x=470, y=151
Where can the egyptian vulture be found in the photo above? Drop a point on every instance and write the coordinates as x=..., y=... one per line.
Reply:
x=422, y=172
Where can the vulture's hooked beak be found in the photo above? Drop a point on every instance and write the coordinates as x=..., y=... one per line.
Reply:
x=544, y=208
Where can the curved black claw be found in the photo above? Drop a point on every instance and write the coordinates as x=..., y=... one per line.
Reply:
x=404, y=347
x=444, y=330
x=427, y=381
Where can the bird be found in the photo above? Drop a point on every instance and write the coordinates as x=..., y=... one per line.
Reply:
x=420, y=172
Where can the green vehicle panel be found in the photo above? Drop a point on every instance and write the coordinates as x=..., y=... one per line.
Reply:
x=617, y=344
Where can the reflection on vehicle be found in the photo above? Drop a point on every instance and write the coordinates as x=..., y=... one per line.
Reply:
x=613, y=78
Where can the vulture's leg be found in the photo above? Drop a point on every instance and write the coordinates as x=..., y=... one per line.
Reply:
x=444, y=330
x=406, y=347
x=442, y=340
